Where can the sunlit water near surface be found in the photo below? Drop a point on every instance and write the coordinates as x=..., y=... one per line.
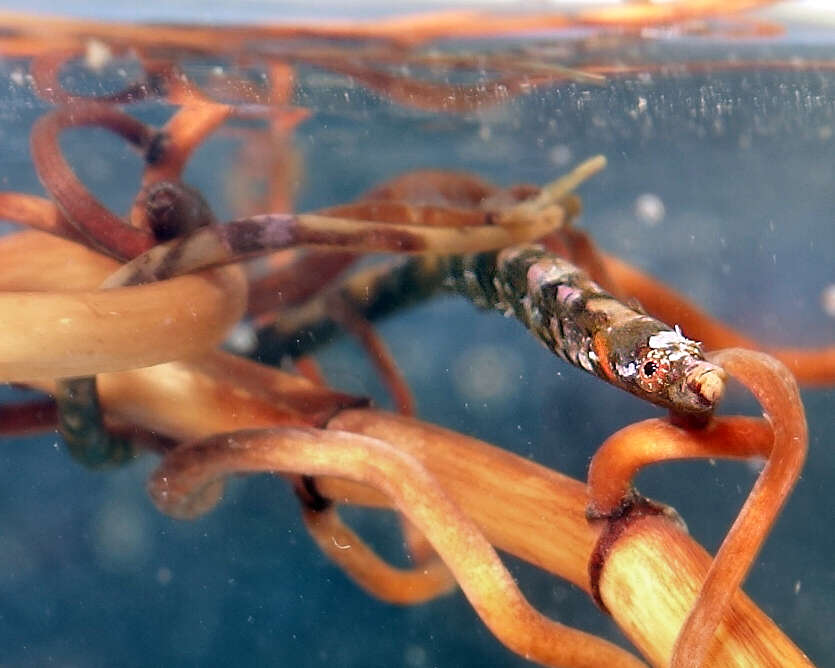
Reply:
x=719, y=182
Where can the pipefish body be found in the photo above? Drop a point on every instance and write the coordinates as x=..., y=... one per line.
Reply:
x=562, y=307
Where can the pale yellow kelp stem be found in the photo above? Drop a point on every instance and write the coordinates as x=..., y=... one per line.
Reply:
x=54, y=324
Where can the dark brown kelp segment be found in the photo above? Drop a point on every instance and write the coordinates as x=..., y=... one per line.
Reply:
x=106, y=230
x=26, y=418
x=82, y=425
x=183, y=133
x=171, y=209
x=188, y=482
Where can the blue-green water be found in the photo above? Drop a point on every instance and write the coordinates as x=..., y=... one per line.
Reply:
x=92, y=575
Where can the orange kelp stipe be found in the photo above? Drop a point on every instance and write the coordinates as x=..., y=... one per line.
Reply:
x=775, y=388
x=187, y=483
x=780, y=437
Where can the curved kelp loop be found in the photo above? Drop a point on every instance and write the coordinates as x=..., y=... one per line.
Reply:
x=106, y=230
x=781, y=437
x=775, y=388
x=403, y=586
x=188, y=483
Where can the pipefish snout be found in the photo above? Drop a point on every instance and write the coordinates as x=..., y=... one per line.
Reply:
x=663, y=367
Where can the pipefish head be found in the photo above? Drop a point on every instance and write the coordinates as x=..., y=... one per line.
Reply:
x=668, y=369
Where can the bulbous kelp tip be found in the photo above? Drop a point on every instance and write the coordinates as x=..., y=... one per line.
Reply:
x=699, y=392
x=707, y=381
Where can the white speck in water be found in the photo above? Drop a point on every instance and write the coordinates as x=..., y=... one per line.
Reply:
x=96, y=55
x=242, y=338
x=120, y=536
x=487, y=372
x=217, y=71
x=18, y=562
x=560, y=155
x=18, y=77
x=828, y=300
x=797, y=588
x=755, y=465
x=414, y=656
x=642, y=104
x=649, y=209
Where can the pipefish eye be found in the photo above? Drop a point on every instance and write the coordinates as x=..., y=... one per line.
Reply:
x=653, y=369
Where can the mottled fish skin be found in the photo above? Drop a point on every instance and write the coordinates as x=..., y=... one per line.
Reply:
x=586, y=326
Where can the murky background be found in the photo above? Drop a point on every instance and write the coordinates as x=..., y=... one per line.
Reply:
x=720, y=183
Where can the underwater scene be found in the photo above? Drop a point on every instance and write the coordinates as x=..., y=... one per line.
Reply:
x=311, y=330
